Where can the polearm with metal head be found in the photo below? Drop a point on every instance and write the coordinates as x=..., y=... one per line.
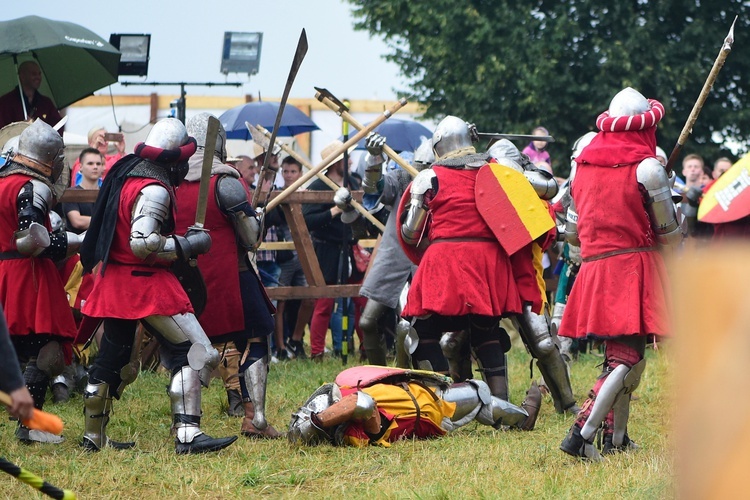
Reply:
x=726, y=48
x=327, y=98
x=259, y=133
x=266, y=170
x=334, y=154
x=343, y=270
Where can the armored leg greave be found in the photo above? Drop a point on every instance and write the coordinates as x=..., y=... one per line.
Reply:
x=618, y=385
x=535, y=332
x=403, y=357
x=565, y=343
x=475, y=402
x=374, y=340
x=97, y=405
x=185, y=395
x=256, y=377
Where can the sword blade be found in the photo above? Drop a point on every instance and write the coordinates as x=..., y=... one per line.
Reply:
x=212, y=132
x=516, y=137
x=299, y=55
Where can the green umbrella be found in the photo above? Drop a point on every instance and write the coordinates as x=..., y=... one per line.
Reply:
x=74, y=61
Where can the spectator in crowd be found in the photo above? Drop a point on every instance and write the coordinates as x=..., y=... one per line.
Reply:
x=99, y=139
x=78, y=214
x=247, y=169
x=291, y=273
x=537, y=150
x=720, y=166
x=692, y=170
x=35, y=104
x=332, y=241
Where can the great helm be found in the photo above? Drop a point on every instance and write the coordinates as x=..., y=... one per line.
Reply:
x=40, y=148
x=628, y=102
x=168, y=133
x=197, y=127
x=451, y=134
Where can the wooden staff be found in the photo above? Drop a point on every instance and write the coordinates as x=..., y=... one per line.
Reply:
x=329, y=159
x=325, y=97
x=327, y=180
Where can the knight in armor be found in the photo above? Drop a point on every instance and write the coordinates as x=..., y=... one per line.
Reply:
x=534, y=323
x=237, y=308
x=464, y=280
x=620, y=294
x=391, y=269
x=132, y=237
x=570, y=256
x=39, y=320
x=377, y=405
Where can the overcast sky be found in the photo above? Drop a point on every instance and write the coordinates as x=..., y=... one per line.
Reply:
x=187, y=37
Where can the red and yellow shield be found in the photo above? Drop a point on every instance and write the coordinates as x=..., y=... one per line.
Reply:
x=511, y=207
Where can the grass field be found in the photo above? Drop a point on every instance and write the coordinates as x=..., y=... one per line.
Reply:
x=474, y=462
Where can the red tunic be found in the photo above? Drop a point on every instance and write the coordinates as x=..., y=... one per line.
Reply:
x=624, y=294
x=131, y=288
x=31, y=290
x=456, y=278
x=223, y=313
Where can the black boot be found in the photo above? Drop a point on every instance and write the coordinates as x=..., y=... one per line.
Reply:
x=575, y=445
x=203, y=443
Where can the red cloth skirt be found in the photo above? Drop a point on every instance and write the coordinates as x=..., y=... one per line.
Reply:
x=463, y=277
x=620, y=295
x=129, y=291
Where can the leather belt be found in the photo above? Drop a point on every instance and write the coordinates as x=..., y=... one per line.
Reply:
x=618, y=252
x=460, y=240
x=12, y=255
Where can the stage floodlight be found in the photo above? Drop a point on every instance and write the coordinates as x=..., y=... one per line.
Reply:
x=241, y=52
x=135, y=53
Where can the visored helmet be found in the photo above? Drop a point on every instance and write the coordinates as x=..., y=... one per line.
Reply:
x=41, y=148
x=197, y=127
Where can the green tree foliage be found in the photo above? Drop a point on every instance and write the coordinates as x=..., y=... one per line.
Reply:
x=511, y=65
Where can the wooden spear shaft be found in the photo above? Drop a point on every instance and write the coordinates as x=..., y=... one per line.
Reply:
x=327, y=180
x=329, y=159
x=726, y=48
x=354, y=123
